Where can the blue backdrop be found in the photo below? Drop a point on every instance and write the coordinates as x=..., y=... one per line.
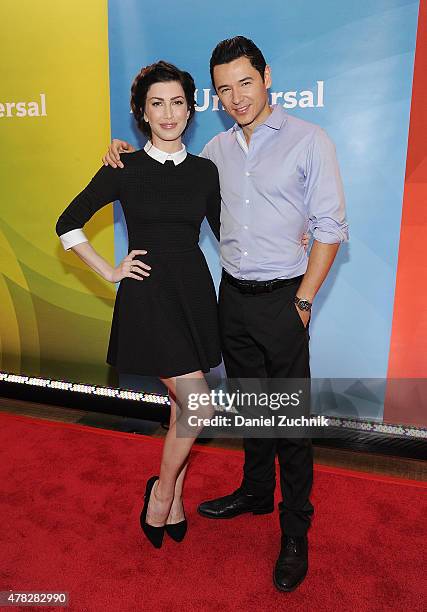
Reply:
x=346, y=66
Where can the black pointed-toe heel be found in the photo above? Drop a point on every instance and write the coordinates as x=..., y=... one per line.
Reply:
x=154, y=534
x=177, y=531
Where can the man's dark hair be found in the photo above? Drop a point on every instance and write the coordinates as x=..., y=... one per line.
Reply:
x=232, y=48
x=160, y=72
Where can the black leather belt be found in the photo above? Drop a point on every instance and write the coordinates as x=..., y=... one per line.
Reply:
x=255, y=287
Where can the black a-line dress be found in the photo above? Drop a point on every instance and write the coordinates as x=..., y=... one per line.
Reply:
x=167, y=324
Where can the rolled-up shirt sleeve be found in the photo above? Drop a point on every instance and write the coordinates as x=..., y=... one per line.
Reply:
x=324, y=193
x=102, y=189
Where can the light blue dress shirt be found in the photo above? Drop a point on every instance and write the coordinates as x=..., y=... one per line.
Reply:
x=286, y=181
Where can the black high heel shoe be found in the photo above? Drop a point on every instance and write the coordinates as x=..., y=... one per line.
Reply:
x=177, y=531
x=154, y=534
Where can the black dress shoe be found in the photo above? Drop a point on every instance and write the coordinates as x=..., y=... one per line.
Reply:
x=237, y=503
x=292, y=564
x=154, y=534
x=177, y=531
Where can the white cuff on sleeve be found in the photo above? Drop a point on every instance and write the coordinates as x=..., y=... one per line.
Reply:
x=73, y=237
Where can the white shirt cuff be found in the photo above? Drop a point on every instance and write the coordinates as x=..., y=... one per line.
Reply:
x=73, y=237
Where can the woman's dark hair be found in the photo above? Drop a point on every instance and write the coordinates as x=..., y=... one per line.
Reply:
x=232, y=48
x=160, y=72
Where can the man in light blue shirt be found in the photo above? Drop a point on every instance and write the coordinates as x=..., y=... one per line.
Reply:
x=279, y=177
x=285, y=180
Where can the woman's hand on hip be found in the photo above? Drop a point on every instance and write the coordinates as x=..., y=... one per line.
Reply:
x=131, y=268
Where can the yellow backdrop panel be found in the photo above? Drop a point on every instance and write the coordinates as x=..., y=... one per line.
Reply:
x=54, y=126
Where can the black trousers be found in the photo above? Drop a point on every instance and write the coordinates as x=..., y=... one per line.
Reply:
x=263, y=336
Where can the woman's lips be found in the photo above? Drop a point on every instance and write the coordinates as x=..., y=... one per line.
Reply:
x=168, y=126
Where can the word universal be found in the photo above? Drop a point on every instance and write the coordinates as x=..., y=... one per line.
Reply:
x=24, y=109
x=306, y=98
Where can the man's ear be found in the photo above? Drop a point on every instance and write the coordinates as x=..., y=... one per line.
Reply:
x=267, y=77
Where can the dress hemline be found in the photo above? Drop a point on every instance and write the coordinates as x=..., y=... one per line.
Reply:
x=181, y=372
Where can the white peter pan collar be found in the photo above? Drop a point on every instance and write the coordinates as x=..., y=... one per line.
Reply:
x=162, y=156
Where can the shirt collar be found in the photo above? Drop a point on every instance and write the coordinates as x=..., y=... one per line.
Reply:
x=274, y=120
x=162, y=156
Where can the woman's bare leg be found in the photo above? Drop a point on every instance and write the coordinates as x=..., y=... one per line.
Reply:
x=175, y=453
x=176, y=513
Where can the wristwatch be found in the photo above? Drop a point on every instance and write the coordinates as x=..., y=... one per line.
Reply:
x=302, y=304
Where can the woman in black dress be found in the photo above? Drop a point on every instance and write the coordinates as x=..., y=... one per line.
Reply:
x=165, y=315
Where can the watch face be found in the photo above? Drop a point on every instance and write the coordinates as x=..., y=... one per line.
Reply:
x=304, y=305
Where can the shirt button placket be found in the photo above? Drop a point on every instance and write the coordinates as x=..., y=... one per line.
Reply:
x=246, y=215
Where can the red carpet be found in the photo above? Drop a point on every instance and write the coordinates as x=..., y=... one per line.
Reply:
x=69, y=507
